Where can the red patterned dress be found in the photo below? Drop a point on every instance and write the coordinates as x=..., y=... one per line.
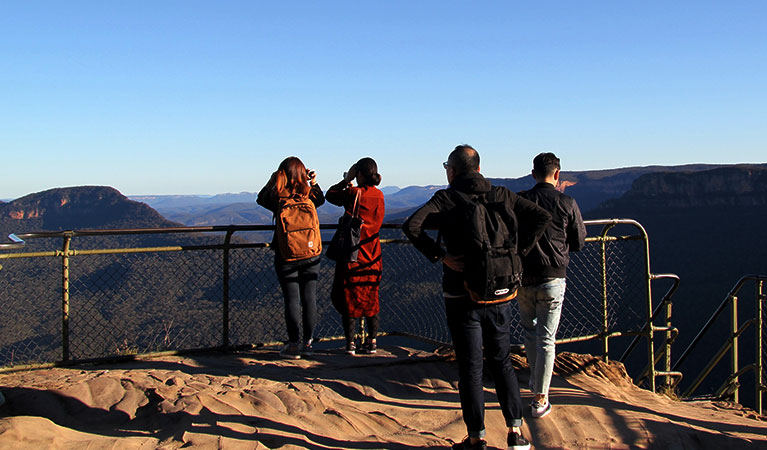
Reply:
x=355, y=285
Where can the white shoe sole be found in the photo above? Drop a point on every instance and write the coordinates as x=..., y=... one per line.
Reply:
x=544, y=413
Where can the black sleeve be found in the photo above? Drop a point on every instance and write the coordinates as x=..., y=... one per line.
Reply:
x=268, y=199
x=415, y=227
x=533, y=221
x=316, y=196
x=336, y=195
x=576, y=230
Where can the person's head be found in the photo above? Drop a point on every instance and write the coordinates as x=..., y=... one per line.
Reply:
x=291, y=176
x=546, y=168
x=366, y=171
x=463, y=159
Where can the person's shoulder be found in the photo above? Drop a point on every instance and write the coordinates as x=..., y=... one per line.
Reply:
x=444, y=192
x=571, y=202
x=503, y=193
x=442, y=197
x=375, y=191
x=566, y=198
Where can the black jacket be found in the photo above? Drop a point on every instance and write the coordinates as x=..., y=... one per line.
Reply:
x=436, y=214
x=566, y=233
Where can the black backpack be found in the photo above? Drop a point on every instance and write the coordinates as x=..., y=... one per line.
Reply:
x=487, y=237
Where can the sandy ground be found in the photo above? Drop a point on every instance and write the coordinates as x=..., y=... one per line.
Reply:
x=397, y=399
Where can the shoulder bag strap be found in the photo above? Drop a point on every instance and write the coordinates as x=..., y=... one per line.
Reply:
x=356, y=205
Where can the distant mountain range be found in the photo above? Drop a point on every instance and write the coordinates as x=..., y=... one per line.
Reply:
x=240, y=209
x=104, y=207
x=589, y=188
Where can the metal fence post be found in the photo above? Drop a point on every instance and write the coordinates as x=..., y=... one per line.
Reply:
x=760, y=297
x=605, y=324
x=667, y=366
x=650, y=326
x=225, y=322
x=65, y=298
x=734, y=348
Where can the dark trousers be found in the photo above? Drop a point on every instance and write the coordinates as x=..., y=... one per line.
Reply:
x=473, y=327
x=299, y=287
x=350, y=327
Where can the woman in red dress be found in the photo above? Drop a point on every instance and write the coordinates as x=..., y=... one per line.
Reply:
x=355, y=285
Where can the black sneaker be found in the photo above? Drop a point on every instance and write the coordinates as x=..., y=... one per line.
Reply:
x=467, y=445
x=516, y=441
x=368, y=348
x=351, y=348
x=291, y=351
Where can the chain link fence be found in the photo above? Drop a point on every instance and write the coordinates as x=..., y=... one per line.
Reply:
x=145, y=293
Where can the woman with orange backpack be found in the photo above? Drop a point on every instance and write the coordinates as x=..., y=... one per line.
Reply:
x=293, y=195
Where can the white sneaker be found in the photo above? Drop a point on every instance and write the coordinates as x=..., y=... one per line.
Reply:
x=540, y=409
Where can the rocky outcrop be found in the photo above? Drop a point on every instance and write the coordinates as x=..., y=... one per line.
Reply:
x=591, y=188
x=78, y=208
x=738, y=186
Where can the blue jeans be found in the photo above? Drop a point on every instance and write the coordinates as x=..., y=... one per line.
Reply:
x=473, y=327
x=299, y=287
x=540, y=307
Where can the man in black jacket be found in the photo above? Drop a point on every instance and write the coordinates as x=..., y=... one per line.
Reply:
x=543, y=281
x=473, y=325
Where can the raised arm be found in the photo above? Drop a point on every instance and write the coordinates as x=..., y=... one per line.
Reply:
x=336, y=195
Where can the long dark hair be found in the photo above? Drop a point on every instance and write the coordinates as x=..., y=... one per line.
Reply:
x=290, y=178
x=368, y=168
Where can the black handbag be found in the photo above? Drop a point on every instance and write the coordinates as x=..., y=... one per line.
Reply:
x=345, y=244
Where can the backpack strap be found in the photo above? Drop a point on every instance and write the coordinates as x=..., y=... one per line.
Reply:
x=490, y=196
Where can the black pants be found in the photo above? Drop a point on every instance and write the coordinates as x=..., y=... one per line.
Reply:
x=350, y=326
x=299, y=287
x=473, y=327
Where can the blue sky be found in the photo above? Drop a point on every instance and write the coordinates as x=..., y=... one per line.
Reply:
x=192, y=97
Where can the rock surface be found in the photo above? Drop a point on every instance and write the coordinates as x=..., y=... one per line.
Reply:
x=397, y=399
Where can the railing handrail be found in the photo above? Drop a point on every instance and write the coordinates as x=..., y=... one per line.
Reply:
x=735, y=289
x=18, y=238
x=731, y=385
x=664, y=301
x=16, y=243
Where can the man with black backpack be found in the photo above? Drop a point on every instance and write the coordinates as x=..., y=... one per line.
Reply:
x=478, y=224
x=543, y=284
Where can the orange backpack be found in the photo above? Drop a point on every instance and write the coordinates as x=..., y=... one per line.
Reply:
x=297, y=229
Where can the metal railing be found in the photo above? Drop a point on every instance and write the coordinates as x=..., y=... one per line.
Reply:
x=15, y=244
x=731, y=385
x=119, y=293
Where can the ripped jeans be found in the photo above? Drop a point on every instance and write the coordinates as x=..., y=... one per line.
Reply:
x=540, y=308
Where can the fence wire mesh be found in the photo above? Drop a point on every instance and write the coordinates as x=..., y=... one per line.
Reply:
x=146, y=302
x=30, y=316
x=133, y=303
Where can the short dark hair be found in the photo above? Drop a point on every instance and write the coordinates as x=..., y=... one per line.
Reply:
x=545, y=164
x=464, y=158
